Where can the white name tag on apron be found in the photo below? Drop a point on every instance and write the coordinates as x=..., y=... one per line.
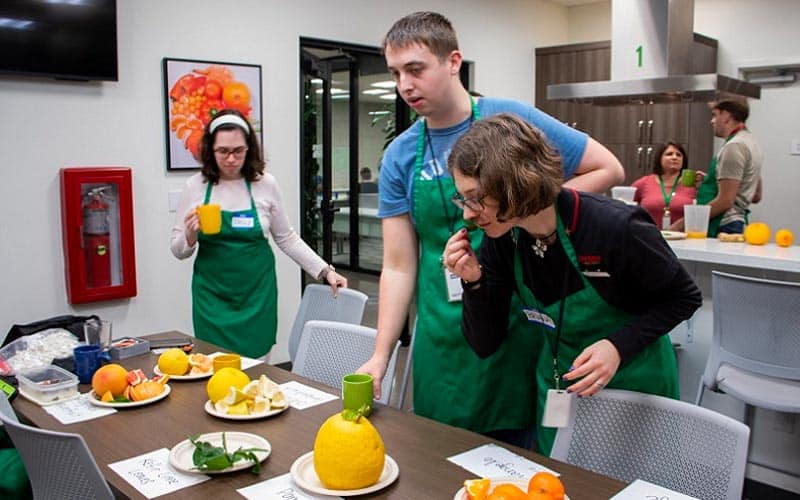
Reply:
x=558, y=408
x=242, y=222
x=454, y=289
x=534, y=316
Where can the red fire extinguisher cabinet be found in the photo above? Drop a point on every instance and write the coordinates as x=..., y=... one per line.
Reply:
x=97, y=230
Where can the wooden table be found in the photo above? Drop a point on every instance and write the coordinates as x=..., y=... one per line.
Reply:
x=419, y=446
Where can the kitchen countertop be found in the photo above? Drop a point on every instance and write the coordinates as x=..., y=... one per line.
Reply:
x=769, y=256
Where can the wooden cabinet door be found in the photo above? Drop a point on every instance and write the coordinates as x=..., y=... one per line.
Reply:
x=553, y=68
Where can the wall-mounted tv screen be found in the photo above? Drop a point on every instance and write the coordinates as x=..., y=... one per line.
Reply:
x=67, y=39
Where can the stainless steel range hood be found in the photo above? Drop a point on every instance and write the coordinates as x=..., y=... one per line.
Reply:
x=651, y=43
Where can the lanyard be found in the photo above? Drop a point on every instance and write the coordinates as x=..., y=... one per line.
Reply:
x=424, y=137
x=667, y=199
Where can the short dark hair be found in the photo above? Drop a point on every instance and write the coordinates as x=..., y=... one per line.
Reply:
x=253, y=166
x=425, y=28
x=738, y=108
x=513, y=163
x=657, y=168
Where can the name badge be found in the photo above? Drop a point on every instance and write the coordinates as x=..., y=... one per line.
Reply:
x=454, y=289
x=242, y=221
x=534, y=316
x=558, y=408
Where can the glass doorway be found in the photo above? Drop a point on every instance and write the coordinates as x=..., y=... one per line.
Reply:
x=349, y=114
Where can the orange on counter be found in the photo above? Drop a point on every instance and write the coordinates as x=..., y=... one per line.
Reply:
x=784, y=238
x=757, y=233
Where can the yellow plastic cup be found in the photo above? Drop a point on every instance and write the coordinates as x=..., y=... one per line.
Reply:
x=227, y=361
x=210, y=218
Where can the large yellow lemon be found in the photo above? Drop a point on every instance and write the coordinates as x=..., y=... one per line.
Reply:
x=220, y=383
x=756, y=233
x=348, y=452
x=173, y=362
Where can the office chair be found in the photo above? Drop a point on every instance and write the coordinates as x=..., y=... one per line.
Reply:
x=59, y=465
x=629, y=435
x=755, y=345
x=329, y=350
x=318, y=304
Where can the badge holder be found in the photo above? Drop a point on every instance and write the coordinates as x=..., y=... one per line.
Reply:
x=454, y=288
x=559, y=407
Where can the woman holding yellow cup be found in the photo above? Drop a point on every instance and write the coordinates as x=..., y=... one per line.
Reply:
x=227, y=213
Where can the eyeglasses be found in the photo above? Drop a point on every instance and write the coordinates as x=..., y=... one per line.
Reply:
x=225, y=152
x=475, y=203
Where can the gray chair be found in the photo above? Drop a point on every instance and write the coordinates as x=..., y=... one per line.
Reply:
x=318, y=303
x=755, y=345
x=329, y=350
x=59, y=465
x=629, y=435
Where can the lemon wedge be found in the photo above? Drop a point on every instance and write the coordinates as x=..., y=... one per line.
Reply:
x=260, y=405
x=251, y=389
x=267, y=388
x=235, y=396
x=239, y=409
x=279, y=400
x=221, y=406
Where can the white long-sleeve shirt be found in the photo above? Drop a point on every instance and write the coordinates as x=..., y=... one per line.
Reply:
x=232, y=195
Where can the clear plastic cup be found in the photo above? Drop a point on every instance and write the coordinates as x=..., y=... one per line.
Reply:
x=695, y=220
x=623, y=193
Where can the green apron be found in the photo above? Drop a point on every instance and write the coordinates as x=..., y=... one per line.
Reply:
x=451, y=384
x=234, y=287
x=587, y=319
x=708, y=191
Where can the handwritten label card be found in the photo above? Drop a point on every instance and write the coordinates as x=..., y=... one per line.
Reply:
x=302, y=396
x=642, y=490
x=279, y=488
x=491, y=460
x=77, y=410
x=152, y=475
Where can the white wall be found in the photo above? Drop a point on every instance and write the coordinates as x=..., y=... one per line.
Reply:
x=47, y=125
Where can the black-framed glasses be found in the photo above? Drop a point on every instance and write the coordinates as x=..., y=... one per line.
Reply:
x=225, y=152
x=475, y=203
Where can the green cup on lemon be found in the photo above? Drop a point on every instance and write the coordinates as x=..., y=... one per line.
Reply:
x=357, y=392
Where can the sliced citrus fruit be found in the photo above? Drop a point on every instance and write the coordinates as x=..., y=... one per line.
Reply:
x=267, y=387
x=260, y=405
x=477, y=489
x=235, y=396
x=251, y=389
x=278, y=401
x=239, y=409
x=221, y=406
x=107, y=397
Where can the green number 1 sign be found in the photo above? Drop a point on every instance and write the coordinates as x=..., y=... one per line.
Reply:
x=639, y=56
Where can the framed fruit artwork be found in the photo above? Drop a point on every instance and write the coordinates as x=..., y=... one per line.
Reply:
x=194, y=92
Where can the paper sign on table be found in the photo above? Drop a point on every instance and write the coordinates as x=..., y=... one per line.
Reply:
x=152, y=475
x=279, y=488
x=491, y=460
x=642, y=490
x=302, y=396
x=77, y=410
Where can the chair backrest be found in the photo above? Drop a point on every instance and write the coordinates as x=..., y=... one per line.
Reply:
x=629, y=435
x=329, y=350
x=755, y=327
x=59, y=465
x=318, y=303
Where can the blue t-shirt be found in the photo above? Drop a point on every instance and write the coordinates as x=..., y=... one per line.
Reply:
x=396, y=193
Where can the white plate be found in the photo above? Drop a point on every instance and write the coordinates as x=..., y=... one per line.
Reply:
x=306, y=477
x=522, y=483
x=209, y=408
x=673, y=235
x=180, y=457
x=93, y=399
x=197, y=376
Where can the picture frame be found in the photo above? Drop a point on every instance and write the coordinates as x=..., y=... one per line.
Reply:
x=214, y=85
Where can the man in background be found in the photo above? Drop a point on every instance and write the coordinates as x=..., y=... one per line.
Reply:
x=734, y=177
x=366, y=184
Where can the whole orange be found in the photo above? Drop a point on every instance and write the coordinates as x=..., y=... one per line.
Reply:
x=784, y=238
x=110, y=378
x=545, y=483
x=507, y=491
x=756, y=233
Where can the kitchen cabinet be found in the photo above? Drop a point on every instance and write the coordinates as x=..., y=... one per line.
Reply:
x=633, y=131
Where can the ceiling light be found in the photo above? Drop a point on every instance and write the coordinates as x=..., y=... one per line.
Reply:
x=386, y=84
x=375, y=91
x=316, y=81
x=340, y=96
x=765, y=80
x=388, y=97
x=379, y=113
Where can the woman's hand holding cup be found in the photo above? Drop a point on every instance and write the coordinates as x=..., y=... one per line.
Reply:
x=459, y=258
x=192, y=223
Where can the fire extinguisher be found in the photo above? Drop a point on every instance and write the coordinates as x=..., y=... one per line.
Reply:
x=96, y=238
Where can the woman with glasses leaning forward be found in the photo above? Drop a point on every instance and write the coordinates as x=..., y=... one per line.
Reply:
x=595, y=278
x=234, y=292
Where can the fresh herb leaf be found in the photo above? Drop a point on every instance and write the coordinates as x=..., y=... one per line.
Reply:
x=207, y=457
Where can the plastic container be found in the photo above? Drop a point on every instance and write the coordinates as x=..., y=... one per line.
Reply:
x=37, y=350
x=695, y=219
x=624, y=193
x=48, y=385
x=127, y=347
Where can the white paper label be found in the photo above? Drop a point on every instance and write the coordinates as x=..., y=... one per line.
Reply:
x=454, y=289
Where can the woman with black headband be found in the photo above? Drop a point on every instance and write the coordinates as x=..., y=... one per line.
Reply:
x=234, y=286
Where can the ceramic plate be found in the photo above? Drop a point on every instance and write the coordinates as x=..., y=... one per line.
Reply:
x=305, y=476
x=120, y=406
x=180, y=457
x=197, y=376
x=673, y=235
x=523, y=485
x=209, y=408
